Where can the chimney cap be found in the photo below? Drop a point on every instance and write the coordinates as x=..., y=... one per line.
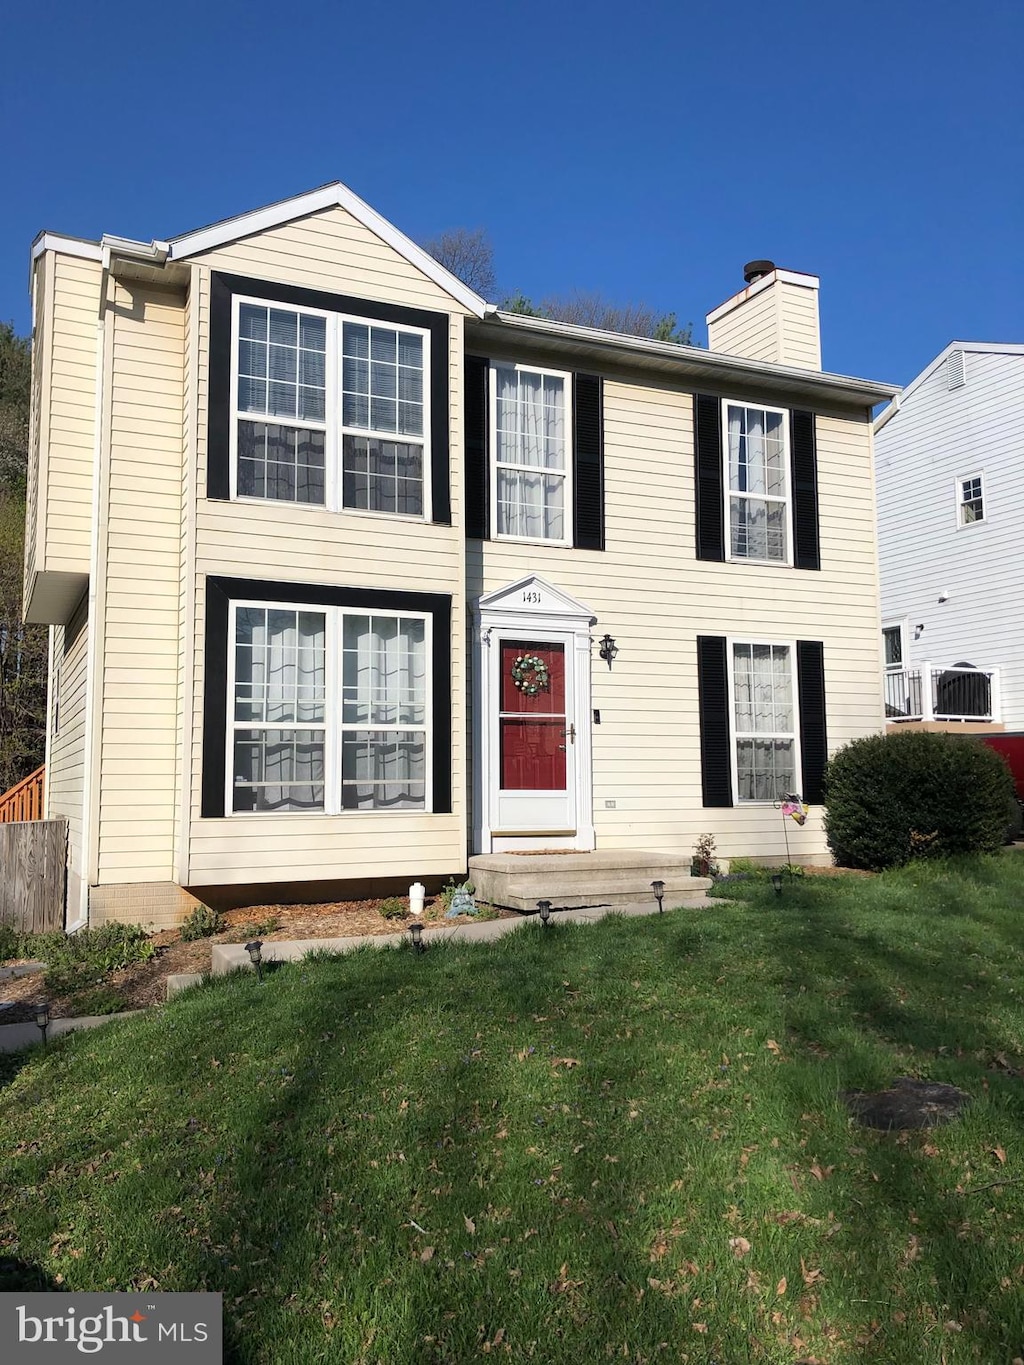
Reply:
x=753, y=270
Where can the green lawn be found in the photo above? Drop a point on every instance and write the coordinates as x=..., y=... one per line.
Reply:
x=611, y=1143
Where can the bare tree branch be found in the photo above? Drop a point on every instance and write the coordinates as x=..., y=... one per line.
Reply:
x=469, y=255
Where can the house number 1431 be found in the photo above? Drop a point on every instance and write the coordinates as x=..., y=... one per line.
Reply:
x=531, y=595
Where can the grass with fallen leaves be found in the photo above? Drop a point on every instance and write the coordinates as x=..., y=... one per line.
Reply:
x=619, y=1143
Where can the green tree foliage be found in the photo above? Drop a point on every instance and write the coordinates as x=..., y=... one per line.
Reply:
x=23, y=649
x=915, y=794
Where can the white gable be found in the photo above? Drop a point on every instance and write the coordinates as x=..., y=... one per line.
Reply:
x=536, y=597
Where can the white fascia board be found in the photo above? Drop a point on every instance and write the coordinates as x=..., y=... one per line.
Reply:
x=729, y=364
x=70, y=246
x=752, y=290
x=156, y=252
x=328, y=196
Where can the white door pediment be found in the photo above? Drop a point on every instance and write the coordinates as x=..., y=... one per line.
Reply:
x=536, y=597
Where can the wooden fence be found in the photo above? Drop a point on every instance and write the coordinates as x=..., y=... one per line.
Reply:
x=25, y=801
x=33, y=859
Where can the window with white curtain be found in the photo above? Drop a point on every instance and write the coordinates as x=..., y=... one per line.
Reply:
x=757, y=474
x=329, y=410
x=764, y=721
x=330, y=710
x=530, y=481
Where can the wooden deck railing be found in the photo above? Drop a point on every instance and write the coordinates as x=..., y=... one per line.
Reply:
x=25, y=801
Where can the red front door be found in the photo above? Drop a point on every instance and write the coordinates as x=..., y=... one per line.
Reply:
x=532, y=720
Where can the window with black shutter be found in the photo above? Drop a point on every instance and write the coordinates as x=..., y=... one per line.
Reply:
x=534, y=442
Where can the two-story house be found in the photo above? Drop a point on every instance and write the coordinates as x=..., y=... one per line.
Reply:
x=949, y=476
x=352, y=575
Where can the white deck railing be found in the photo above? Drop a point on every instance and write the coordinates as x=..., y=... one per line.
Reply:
x=930, y=693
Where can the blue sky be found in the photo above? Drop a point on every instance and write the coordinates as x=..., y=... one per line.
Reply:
x=645, y=150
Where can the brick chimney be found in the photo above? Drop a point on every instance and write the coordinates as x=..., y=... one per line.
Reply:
x=774, y=318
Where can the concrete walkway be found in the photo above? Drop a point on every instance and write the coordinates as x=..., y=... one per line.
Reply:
x=228, y=957
x=13, y=1037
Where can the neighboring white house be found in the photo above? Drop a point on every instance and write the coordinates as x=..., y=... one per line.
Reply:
x=353, y=575
x=949, y=455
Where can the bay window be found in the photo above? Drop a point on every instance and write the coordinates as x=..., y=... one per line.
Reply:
x=329, y=410
x=757, y=479
x=330, y=709
x=531, y=474
x=764, y=721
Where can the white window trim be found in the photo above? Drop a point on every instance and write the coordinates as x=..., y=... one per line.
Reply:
x=334, y=431
x=735, y=735
x=568, y=505
x=332, y=725
x=901, y=626
x=958, y=497
x=728, y=494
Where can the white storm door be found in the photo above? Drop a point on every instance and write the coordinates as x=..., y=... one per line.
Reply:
x=533, y=750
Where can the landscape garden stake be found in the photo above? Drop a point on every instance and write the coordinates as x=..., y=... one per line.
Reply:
x=255, y=951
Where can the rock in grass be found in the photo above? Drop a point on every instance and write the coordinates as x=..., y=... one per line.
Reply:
x=910, y=1103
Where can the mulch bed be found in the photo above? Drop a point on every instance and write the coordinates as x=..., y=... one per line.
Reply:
x=145, y=983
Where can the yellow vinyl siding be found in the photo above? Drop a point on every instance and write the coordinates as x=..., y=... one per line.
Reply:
x=749, y=330
x=71, y=427
x=35, y=485
x=651, y=593
x=798, y=326
x=779, y=323
x=333, y=252
x=141, y=645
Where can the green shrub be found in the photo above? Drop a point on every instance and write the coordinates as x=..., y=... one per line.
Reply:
x=98, y=1000
x=393, y=908
x=915, y=794
x=76, y=961
x=10, y=942
x=201, y=924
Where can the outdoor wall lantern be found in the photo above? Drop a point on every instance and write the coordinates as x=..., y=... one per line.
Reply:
x=43, y=1018
x=255, y=951
x=608, y=649
x=416, y=934
x=659, y=895
x=777, y=882
x=544, y=910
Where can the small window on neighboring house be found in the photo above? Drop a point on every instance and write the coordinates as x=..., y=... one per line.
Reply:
x=764, y=721
x=970, y=500
x=757, y=471
x=329, y=410
x=892, y=637
x=531, y=497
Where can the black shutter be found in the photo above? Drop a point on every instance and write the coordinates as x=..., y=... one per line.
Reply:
x=475, y=438
x=588, y=462
x=708, y=479
x=218, y=417
x=713, y=705
x=804, y=459
x=810, y=680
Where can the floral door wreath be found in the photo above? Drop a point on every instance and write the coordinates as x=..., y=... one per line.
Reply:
x=530, y=674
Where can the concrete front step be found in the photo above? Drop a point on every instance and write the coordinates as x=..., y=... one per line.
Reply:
x=613, y=878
